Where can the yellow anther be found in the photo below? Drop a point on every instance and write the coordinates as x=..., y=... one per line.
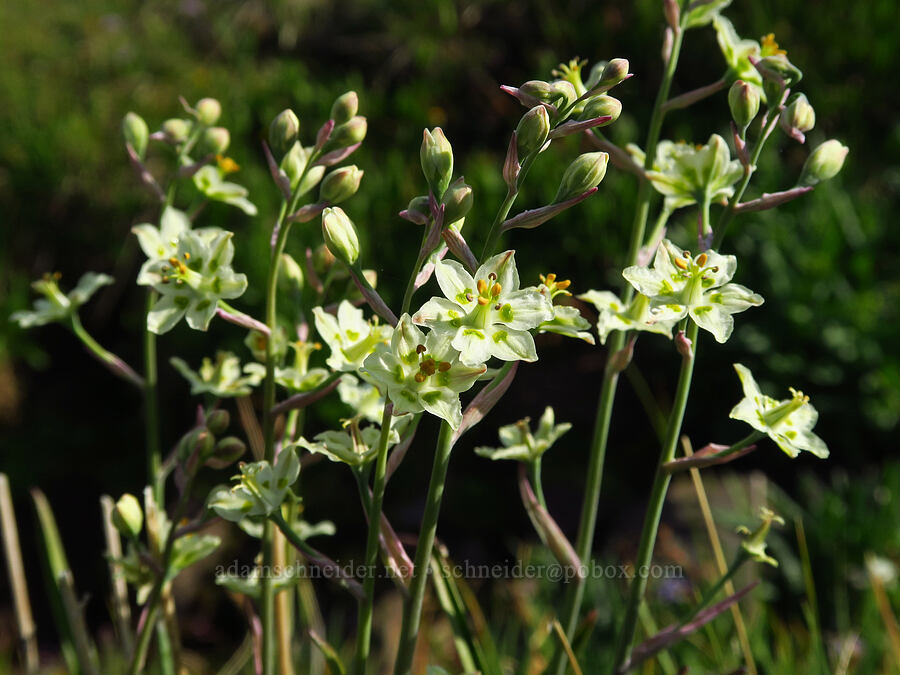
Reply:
x=701, y=259
x=563, y=285
x=680, y=264
x=419, y=377
x=770, y=46
x=444, y=366
x=481, y=285
x=495, y=290
x=226, y=164
x=187, y=256
x=482, y=300
x=427, y=366
x=551, y=277
x=173, y=261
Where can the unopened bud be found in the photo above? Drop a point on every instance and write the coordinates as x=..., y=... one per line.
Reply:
x=584, y=173
x=349, y=133
x=418, y=210
x=227, y=451
x=340, y=235
x=532, y=132
x=291, y=272
x=602, y=106
x=683, y=345
x=340, y=184
x=564, y=93
x=208, y=111
x=176, y=130
x=458, y=201
x=127, y=516
x=777, y=73
x=798, y=117
x=215, y=140
x=135, y=131
x=622, y=358
x=743, y=99
x=542, y=91
x=824, y=162
x=436, y=157
x=614, y=72
x=283, y=132
x=217, y=421
x=294, y=162
x=344, y=108
x=673, y=13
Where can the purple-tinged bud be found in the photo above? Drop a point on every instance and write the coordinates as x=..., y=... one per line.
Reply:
x=622, y=358
x=602, y=106
x=436, y=156
x=208, y=111
x=340, y=184
x=743, y=99
x=135, y=131
x=584, y=173
x=797, y=117
x=418, y=210
x=176, y=130
x=340, y=235
x=613, y=73
x=227, y=451
x=673, y=13
x=824, y=163
x=217, y=421
x=542, y=91
x=532, y=132
x=349, y=133
x=457, y=202
x=283, y=132
x=344, y=108
x=683, y=345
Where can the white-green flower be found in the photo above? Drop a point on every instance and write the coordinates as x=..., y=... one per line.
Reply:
x=161, y=243
x=486, y=315
x=209, y=181
x=421, y=373
x=520, y=444
x=364, y=398
x=261, y=490
x=789, y=423
x=613, y=314
x=737, y=53
x=222, y=378
x=680, y=285
x=349, y=336
x=192, y=280
x=55, y=305
x=353, y=446
x=299, y=377
x=754, y=543
x=567, y=321
x=688, y=174
x=698, y=14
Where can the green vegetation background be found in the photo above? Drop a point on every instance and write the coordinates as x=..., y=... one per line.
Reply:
x=827, y=264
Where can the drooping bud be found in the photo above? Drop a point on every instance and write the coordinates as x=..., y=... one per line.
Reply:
x=602, y=106
x=176, y=130
x=532, y=132
x=340, y=235
x=197, y=442
x=584, y=173
x=564, y=93
x=797, y=118
x=215, y=140
x=283, y=132
x=227, y=451
x=743, y=100
x=127, y=516
x=613, y=73
x=418, y=210
x=135, y=131
x=349, y=133
x=208, y=111
x=824, y=162
x=217, y=421
x=436, y=156
x=458, y=201
x=344, y=108
x=777, y=73
x=542, y=91
x=684, y=345
x=340, y=184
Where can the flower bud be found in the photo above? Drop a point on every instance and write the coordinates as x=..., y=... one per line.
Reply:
x=563, y=93
x=542, y=91
x=349, y=133
x=344, y=108
x=602, y=106
x=217, y=421
x=208, y=111
x=291, y=273
x=283, y=132
x=777, y=73
x=457, y=202
x=215, y=140
x=127, y=516
x=584, y=173
x=743, y=99
x=614, y=72
x=436, y=157
x=176, y=130
x=823, y=163
x=294, y=162
x=340, y=235
x=198, y=441
x=135, y=131
x=340, y=184
x=532, y=132
x=797, y=117
x=227, y=451
x=418, y=210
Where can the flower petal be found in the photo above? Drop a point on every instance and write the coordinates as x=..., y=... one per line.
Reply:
x=512, y=345
x=167, y=311
x=200, y=313
x=473, y=345
x=503, y=265
x=714, y=319
x=455, y=282
x=522, y=310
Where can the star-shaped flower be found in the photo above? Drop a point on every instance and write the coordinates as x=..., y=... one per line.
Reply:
x=789, y=423
x=520, y=444
x=299, y=377
x=349, y=336
x=210, y=181
x=486, y=315
x=616, y=315
x=222, y=378
x=754, y=543
x=161, y=243
x=421, y=372
x=192, y=280
x=353, y=446
x=56, y=305
x=680, y=285
x=261, y=490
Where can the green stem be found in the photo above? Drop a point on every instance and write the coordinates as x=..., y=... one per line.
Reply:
x=411, y=284
x=588, y=522
x=534, y=470
x=151, y=407
x=116, y=365
x=364, y=628
x=654, y=509
x=494, y=233
x=412, y=609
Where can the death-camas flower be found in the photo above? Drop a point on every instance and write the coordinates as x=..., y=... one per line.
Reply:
x=349, y=336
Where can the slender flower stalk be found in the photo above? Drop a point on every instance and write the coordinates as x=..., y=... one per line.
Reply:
x=494, y=233
x=588, y=522
x=657, y=499
x=412, y=609
x=364, y=627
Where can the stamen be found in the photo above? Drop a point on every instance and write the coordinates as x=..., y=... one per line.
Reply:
x=715, y=269
x=550, y=278
x=420, y=349
x=495, y=290
x=468, y=297
x=444, y=366
x=497, y=306
x=481, y=285
x=686, y=254
x=701, y=259
x=492, y=276
x=419, y=377
x=482, y=300
x=680, y=264
x=187, y=256
x=563, y=285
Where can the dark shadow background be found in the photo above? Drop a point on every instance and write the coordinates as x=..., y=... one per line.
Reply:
x=825, y=264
